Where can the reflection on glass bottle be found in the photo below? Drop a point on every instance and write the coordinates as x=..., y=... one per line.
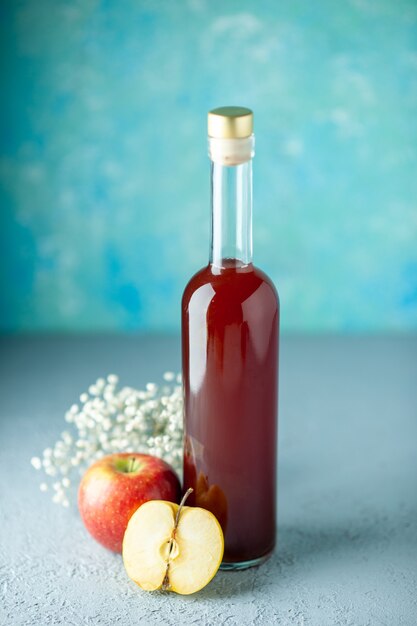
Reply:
x=212, y=498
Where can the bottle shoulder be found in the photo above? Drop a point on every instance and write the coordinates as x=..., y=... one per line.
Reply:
x=197, y=280
x=242, y=281
x=263, y=276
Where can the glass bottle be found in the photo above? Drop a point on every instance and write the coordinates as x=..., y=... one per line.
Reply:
x=230, y=327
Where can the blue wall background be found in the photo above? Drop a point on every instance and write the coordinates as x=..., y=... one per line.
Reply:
x=104, y=174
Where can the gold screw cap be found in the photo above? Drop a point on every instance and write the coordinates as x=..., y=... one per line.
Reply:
x=230, y=123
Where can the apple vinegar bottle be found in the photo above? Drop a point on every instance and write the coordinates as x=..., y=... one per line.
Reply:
x=230, y=326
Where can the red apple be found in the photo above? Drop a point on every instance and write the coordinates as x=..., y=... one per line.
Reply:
x=115, y=486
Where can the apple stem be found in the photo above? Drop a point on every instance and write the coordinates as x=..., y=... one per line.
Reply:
x=183, y=501
x=165, y=582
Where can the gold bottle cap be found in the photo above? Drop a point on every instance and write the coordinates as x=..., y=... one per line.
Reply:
x=230, y=123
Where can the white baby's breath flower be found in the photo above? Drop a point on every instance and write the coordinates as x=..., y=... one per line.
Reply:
x=36, y=462
x=113, y=419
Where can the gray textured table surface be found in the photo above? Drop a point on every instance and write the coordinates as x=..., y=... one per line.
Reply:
x=347, y=491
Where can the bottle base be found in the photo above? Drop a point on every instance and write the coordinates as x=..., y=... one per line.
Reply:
x=230, y=567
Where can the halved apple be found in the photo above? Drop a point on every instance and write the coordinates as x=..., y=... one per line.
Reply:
x=173, y=547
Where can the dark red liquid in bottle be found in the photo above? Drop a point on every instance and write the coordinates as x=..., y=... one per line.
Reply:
x=230, y=319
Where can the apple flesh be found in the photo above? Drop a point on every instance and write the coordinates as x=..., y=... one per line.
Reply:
x=172, y=547
x=114, y=487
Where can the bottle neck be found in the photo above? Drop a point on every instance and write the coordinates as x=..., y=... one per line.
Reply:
x=231, y=214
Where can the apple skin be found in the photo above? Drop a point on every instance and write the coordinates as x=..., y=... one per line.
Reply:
x=115, y=486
